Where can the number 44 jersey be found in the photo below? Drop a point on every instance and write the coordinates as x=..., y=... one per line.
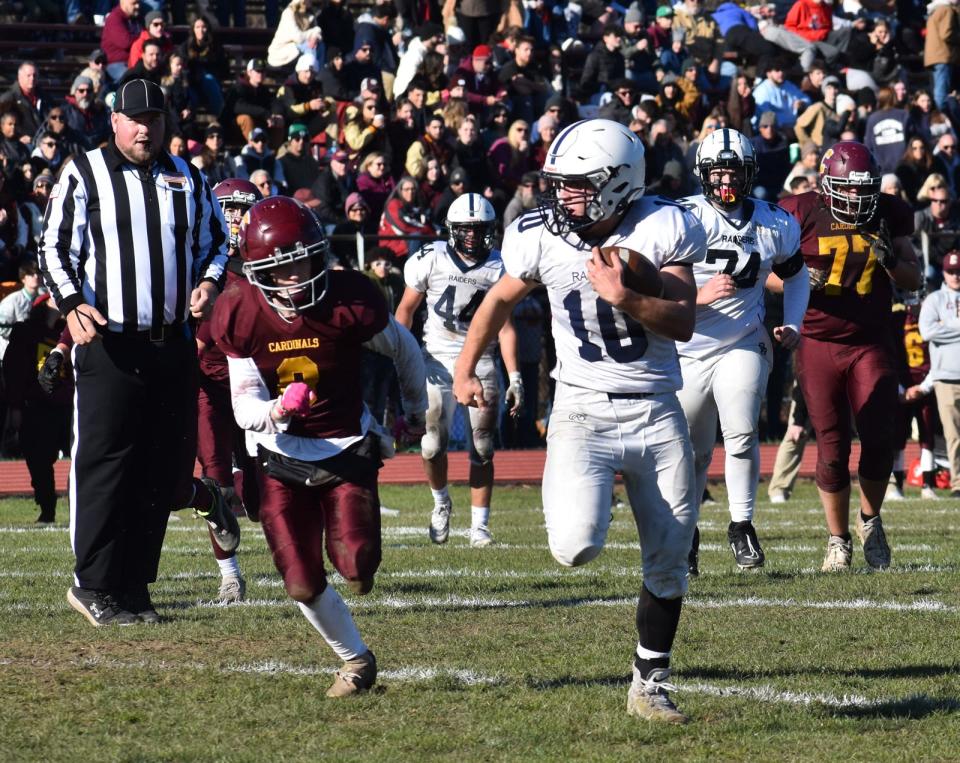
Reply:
x=599, y=347
x=454, y=290
x=747, y=247
x=853, y=304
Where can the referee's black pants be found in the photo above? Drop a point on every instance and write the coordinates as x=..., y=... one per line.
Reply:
x=134, y=451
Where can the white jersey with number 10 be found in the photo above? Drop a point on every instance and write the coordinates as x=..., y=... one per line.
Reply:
x=598, y=346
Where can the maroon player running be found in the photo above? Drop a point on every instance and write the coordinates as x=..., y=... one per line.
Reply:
x=293, y=335
x=855, y=244
x=220, y=442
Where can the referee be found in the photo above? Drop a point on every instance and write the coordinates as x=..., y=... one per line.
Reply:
x=133, y=244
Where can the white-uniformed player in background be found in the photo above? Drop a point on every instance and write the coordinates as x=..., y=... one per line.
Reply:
x=454, y=276
x=726, y=363
x=617, y=372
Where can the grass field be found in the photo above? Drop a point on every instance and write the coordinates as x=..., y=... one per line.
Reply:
x=496, y=654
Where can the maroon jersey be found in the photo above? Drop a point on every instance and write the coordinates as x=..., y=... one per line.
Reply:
x=918, y=354
x=213, y=363
x=321, y=347
x=854, y=304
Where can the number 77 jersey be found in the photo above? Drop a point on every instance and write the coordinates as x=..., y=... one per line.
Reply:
x=599, y=347
x=851, y=301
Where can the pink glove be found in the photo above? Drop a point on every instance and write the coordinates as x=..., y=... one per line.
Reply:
x=296, y=400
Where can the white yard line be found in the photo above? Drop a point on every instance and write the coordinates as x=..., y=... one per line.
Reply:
x=404, y=674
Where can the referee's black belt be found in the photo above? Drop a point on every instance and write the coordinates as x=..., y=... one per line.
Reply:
x=630, y=395
x=162, y=333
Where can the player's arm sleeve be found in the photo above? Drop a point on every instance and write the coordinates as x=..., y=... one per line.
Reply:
x=687, y=243
x=401, y=346
x=416, y=270
x=521, y=247
x=64, y=229
x=792, y=270
x=251, y=398
x=212, y=235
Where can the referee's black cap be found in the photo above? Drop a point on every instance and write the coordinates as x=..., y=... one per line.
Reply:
x=139, y=96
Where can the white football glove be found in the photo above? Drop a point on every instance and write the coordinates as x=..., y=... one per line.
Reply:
x=515, y=394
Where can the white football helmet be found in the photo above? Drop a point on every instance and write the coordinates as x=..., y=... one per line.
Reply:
x=604, y=157
x=726, y=149
x=471, y=222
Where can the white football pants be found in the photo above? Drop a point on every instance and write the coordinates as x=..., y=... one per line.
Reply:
x=729, y=385
x=591, y=437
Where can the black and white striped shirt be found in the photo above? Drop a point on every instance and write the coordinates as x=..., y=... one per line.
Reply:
x=130, y=241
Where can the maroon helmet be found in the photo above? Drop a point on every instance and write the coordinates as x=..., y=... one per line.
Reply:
x=279, y=236
x=850, y=182
x=236, y=196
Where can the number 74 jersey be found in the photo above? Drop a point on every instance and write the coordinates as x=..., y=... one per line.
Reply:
x=762, y=238
x=853, y=303
x=454, y=290
x=599, y=347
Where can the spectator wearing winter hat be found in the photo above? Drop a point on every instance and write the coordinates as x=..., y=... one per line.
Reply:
x=358, y=220
x=481, y=88
x=773, y=157
x=302, y=98
x=155, y=29
x=300, y=169
x=296, y=34
x=547, y=128
x=637, y=51
x=332, y=187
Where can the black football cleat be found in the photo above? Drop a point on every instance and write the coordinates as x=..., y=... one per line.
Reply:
x=746, y=548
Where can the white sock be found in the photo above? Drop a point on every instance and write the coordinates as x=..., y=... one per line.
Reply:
x=479, y=515
x=328, y=613
x=440, y=496
x=229, y=567
x=926, y=460
x=742, y=473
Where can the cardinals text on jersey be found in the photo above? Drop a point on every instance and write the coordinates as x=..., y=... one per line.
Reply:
x=598, y=346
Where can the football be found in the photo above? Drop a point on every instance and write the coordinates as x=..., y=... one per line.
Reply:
x=639, y=274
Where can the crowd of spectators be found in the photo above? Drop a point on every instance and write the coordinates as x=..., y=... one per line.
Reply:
x=378, y=116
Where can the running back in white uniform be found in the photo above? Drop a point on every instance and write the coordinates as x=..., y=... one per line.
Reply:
x=727, y=361
x=454, y=290
x=598, y=346
x=615, y=407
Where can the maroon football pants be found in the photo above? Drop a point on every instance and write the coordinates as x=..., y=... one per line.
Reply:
x=924, y=411
x=838, y=379
x=220, y=442
x=298, y=521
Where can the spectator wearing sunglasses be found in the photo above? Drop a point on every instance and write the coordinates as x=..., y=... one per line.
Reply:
x=78, y=129
x=155, y=29
x=48, y=149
